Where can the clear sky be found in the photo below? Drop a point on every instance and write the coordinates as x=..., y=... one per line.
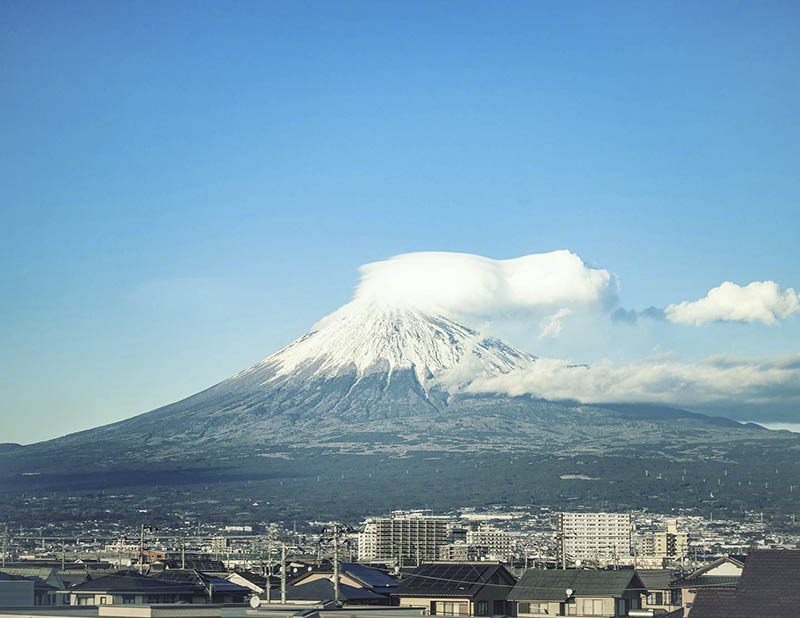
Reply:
x=187, y=186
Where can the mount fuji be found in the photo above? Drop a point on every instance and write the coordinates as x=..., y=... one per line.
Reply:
x=374, y=392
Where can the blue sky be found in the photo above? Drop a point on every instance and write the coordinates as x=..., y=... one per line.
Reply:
x=187, y=186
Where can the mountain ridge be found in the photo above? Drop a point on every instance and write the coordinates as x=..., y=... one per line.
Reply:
x=389, y=386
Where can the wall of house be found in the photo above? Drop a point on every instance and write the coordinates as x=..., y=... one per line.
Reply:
x=343, y=579
x=666, y=605
x=553, y=608
x=726, y=568
x=608, y=606
x=426, y=602
x=16, y=593
x=490, y=594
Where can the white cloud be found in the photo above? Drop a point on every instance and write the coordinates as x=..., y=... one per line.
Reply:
x=759, y=301
x=717, y=380
x=457, y=284
x=551, y=325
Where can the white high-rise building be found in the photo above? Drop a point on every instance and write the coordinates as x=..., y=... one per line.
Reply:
x=405, y=536
x=595, y=538
x=368, y=541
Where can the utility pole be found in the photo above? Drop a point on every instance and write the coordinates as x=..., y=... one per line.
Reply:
x=269, y=568
x=336, y=563
x=141, y=551
x=183, y=552
x=5, y=544
x=63, y=554
x=283, y=573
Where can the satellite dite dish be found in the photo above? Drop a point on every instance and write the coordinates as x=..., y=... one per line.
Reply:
x=255, y=602
x=569, y=592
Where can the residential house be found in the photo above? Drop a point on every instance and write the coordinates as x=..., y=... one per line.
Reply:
x=255, y=582
x=46, y=582
x=457, y=589
x=16, y=591
x=129, y=588
x=555, y=592
x=321, y=590
x=767, y=587
x=722, y=573
x=217, y=589
x=663, y=594
x=352, y=574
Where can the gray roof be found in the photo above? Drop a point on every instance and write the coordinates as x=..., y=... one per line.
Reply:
x=657, y=579
x=551, y=585
x=132, y=583
x=767, y=587
x=463, y=579
x=322, y=590
x=708, y=581
x=45, y=574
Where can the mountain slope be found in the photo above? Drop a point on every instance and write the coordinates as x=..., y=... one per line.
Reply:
x=386, y=388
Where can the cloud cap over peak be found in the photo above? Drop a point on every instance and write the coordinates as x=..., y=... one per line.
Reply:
x=759, y=301
x=461, y=283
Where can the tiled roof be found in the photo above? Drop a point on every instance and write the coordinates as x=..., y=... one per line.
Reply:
x=192, y=577
x=551, y=584
x=130, y=583
x=322, y=590
x=657, y=579
x=767, y=587
x=710, y=581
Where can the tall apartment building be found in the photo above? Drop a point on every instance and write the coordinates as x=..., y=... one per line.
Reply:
x=219, y=545
x=495, y=542
x=672, y=543
x=368, y=541
x=403, y=536
x=593, y=537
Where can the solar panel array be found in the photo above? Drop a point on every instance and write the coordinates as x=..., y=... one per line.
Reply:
x=446, y=578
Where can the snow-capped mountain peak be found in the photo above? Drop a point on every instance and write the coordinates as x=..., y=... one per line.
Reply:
x=370, y=337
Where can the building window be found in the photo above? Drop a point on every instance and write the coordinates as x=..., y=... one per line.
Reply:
x=655, y=598
x=128, y=599
x=103, y=601
x=446, y=608
x=593, y=607
x=537, y=608
x=524, y=608
x=481, y=608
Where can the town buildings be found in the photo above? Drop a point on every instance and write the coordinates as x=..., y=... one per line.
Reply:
x=405, y=536
x=574, y=592
x=593, y=538
x=671, y=544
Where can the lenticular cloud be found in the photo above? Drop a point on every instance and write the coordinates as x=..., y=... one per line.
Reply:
x=465, y=284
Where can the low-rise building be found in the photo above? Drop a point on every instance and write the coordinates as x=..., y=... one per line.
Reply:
x=457, y=589
x=767, y=587
x=722, y=573
x=133, y=589
x=663, y=593
x=556, y=592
